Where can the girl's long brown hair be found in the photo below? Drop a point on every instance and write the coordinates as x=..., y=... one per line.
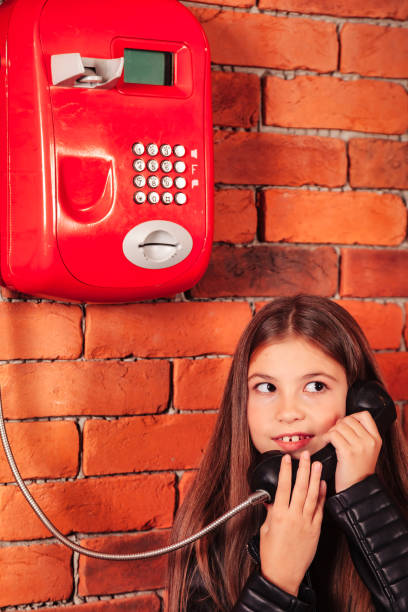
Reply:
x=220, y=561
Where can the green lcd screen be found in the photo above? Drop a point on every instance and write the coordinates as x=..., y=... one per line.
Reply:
x=148, y=67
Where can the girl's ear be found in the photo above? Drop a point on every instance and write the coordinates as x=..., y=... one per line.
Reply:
x=372, y=396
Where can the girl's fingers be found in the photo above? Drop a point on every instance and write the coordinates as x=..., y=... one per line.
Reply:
x=366, y=420
x=349, y=433
x=283, y=490
x=318, y=515
x=312, y=497
x=302, y=482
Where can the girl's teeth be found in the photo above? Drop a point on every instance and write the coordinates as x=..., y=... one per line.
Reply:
x=293, y=438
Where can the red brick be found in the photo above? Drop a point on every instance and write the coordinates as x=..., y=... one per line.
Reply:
x=395, y=9
x=236, y=98
x=269, y=270
x=97, y=577
x=153, y=330
x=169, y=441
x=235, y=217
x=122, y=503
x=236, y=3
x=245, y=39
x=78, y=388
x=185, y=483
x=140, y=603
x=378, y=163
x=327, y=102
x=341, y=217
x=374, y=50
x=394, y=369
x=42, y=450
x=279, y=159
x=405, y=421
x=35, y=573
x=199, y=384
x=406, y=324
x=381, y=323
x=372, y=273
x=40, y=331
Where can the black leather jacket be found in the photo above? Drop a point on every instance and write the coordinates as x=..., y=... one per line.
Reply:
x=378, y=541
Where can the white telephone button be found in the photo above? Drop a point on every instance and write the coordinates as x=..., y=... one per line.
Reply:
x=139, y=165
x=180, y=182
x=139, y=181
x=166, y=165
x=179, y=166
x=180, y=198
x=138, y=148
x=152, y=165
x=153, y=181
x=179, y=151
x=167, y=182
x=153, y=197
x=165, y=150
x=167, y=197
x=139, y=197
x=152, y=149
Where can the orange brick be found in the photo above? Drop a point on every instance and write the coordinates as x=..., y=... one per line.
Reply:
x=153, y=330
x=247, y=39
x=78, y=388
x=185, y=483
x=381, y=323
x=235, y=216
x=278, y=159
x=372, y=273
x=378, y=163
x=374, y=51
x=140, y=603
x=236, y=99
x=269, y=270
x=343, y=217
x=40, y=331
x=97, y=577
x=327, y=102
x=406, y=324
x=394, y=369
x=169, y=441
x=35, y=573
x=405, y=421
x=42, y=450
x=199, y=384
x=122, y=503
x=394, y=9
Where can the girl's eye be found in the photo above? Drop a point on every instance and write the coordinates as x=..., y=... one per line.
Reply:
x=265, y=387
x=315, y=386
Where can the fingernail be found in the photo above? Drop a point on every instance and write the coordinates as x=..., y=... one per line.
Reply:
x=317, y=466
x=305, y=455
x=286, y=458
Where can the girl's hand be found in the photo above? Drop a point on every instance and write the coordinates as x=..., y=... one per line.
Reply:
x=358, y=444
x=291, y=531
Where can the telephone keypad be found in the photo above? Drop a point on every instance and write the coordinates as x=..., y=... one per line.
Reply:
x=153, y=181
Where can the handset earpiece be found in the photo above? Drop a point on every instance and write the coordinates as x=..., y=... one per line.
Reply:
x=369, y=395
x=372, y=396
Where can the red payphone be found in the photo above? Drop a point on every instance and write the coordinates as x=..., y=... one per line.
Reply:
x=106, y=148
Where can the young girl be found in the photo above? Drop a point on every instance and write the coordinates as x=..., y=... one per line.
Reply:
x=344, y=549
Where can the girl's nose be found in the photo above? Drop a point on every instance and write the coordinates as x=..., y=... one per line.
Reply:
x=289, y=410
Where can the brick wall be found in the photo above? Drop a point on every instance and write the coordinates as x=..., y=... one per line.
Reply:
x=110, y=407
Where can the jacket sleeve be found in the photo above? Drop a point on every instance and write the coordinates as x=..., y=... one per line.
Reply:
x=260, y=595
x=377, y=536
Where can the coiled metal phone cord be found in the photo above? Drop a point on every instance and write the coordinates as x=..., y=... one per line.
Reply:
x=256, y=498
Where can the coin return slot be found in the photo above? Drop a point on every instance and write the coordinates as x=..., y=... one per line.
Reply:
x=159, y=246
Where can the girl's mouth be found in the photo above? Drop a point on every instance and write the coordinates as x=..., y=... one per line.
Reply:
x=293, y=442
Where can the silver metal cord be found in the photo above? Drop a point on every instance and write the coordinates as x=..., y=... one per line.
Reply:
x=254, y=499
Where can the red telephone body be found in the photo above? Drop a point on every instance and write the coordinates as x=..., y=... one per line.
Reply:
x=89, y=210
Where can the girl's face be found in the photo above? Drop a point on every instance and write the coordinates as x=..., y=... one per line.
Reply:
x=296, y=393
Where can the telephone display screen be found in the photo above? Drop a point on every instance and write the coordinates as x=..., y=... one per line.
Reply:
x=148, y=67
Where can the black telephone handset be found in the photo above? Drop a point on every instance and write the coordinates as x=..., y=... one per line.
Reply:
x=361, y=396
